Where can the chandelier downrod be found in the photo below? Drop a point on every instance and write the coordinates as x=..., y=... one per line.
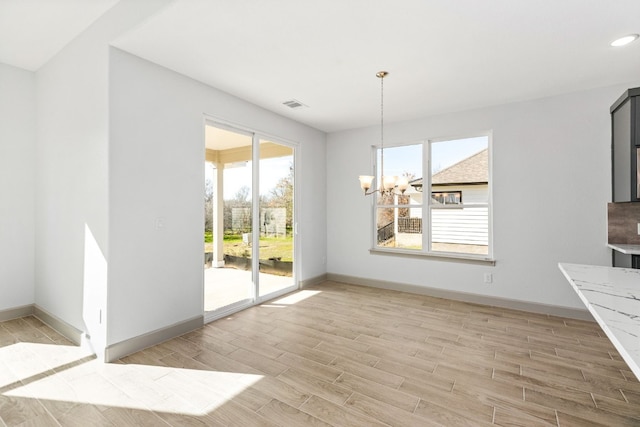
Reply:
x=381, y=75
x=387, y=184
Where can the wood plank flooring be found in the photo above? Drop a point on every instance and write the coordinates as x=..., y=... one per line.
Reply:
x=334, y=355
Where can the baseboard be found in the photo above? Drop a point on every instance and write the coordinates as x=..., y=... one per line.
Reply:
x=533, y=307
x=114, y=351
x=63, y=328
x=313, y=281
x=123, y=348
x=16, y=312
x=59, y=325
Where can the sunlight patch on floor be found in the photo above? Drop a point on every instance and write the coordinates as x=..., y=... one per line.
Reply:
x=24, y=361
x=294, y=298
x=157, y=388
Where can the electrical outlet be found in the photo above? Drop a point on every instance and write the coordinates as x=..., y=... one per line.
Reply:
x=159, y=224
x=488, y=278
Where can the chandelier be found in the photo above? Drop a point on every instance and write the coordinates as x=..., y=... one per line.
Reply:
x=388, y=184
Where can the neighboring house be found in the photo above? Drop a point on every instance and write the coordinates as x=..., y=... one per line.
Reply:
x=466, y=182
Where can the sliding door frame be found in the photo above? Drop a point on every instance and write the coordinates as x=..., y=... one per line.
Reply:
x=257, y=136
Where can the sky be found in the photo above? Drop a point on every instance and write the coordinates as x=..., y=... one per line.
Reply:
x=398, y=160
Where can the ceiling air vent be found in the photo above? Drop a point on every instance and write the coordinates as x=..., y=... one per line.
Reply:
x=294, y=103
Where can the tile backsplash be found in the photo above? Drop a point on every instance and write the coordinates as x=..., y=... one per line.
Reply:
x=623, y=219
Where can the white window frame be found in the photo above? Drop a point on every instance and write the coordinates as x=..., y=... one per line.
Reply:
x=427, y=206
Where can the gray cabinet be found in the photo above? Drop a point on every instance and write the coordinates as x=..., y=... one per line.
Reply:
x=625, y=159
x=625, y=147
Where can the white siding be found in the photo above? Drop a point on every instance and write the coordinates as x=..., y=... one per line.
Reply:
x=468, y=226
x=415, y=199
x=463, y=226
x=470, y=193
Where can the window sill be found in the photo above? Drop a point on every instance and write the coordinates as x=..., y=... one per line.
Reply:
x=443, y=256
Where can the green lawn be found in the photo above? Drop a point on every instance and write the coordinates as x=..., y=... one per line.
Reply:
x=270, y=247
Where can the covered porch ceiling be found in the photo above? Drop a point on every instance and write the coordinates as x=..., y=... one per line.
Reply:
x=225, y=147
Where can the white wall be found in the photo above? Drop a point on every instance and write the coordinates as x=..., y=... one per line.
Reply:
x=551, y=183
x=156, y=173
x=72, y=173
x=17, y=187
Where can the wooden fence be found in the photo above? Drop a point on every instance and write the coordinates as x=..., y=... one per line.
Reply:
x=409, y=225
x=405, y=225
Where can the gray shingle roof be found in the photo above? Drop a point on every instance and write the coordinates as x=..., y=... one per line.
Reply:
x=472, y=170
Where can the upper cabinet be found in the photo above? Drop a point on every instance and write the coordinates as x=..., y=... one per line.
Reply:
x=625, y=147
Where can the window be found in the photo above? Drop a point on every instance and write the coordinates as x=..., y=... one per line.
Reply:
x=446, y=198
x=455, y=220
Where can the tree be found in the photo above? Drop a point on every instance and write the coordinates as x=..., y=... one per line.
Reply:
x=281, y=196
x=208, y=205
x=386, y=215
x=240, y=201
x=242, y=195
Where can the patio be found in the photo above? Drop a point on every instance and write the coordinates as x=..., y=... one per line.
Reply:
x=224, y=286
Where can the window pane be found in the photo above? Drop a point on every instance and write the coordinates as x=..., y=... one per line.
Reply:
x=460, y=178
x=464, y=230
x=397, y=228
x=404, y=161
x=460, y=166
x=230, y=211
x=446, y=197
x=275, y=250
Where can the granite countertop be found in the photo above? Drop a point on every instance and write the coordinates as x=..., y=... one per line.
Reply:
x=625, y=248
x=612, y=295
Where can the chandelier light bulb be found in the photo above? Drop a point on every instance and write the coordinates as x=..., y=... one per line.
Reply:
x=389, y=182
x=365, y=182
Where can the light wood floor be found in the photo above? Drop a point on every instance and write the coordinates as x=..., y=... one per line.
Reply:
x=335, y=355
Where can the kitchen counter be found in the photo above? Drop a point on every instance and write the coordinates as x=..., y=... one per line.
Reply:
x=625, y=249
x=612, y=295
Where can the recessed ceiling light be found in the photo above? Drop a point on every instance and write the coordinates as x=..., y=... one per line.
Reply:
x=624, y=40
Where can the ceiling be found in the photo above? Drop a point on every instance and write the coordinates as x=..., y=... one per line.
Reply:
x=33, y=31
x=442, y=56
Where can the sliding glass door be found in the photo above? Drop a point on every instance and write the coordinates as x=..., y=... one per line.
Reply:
x=275, y=250
x=249, y=219
x=228, y=214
